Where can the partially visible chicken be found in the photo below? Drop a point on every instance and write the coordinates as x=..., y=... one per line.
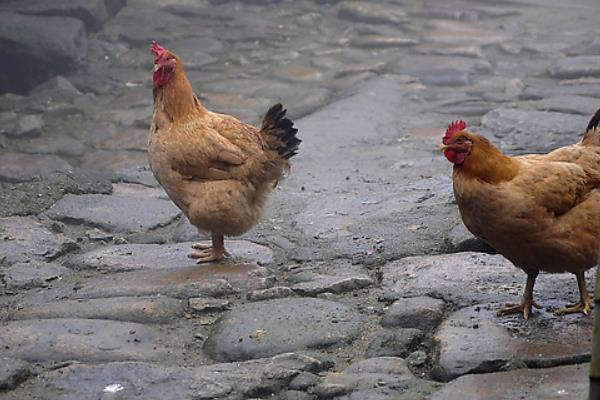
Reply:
x=542, y=212
x=216, y=169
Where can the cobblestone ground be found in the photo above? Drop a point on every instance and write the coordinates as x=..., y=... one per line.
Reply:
x=360, y=281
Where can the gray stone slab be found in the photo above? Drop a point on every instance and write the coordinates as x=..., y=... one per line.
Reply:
x=53, y=39
x=473, y=339
x=571, y=104
x=23, y=239
x=79, y=339
x=532, y=131
x=276, y=326
x=415, y=312
x=130, y=257
x=276, y=292
x=470, y=278
x=568, y=382
x=332, y=284
x=575, y=67
x=364, y=374
x=129, y=380
x=397, y=342
x=183, y=282
x=27, y=275
x=93, y=13
x=114, y=213
x=132, y=309
x=18, y=167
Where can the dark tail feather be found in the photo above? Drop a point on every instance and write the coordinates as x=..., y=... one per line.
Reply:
x=592, y=132
x=279, y=132
x=593, y=124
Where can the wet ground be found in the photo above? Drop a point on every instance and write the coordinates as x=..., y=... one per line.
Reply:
x=360, y=282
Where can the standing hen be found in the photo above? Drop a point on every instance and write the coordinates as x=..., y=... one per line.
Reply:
x=216, y=169
x=542, y=212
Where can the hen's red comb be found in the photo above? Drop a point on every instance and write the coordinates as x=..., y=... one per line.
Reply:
x=455, y=126
x=157, y=49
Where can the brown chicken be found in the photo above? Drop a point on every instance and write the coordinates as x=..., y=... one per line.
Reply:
x=216, y=169
x=542, y=212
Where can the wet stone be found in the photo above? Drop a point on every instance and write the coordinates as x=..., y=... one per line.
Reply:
x=571, y=104
x=181, y=282
x=202, y=305
x=569, y=381
x=131, y=309
x=79, y=339
x=463, y=33
x=46, y=45
x=13, y=371
x=365, y=374
x=17, y=167
x=235, y=381
x=423, y=313
x=468, y=278
x=576, y=67
x=33, y=274
x=332, y=284
x=92, y=13
x=28, y=126
x=276, y=292
x=394, y=342
x=114, y=213
x=154, y=256
x=277, y=326
x=298, y=73
x=533, y=131
x=303, y=381
x=55, y=89
x=474, y=339
x=371, y=13
x=23, y=239
x=374, y=41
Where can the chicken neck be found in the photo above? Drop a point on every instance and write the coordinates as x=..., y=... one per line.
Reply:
x=177, y=99
x=487, y=163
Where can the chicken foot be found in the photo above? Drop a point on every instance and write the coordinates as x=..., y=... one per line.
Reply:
x=213, y=252
x=584, y=305
x=526, y=304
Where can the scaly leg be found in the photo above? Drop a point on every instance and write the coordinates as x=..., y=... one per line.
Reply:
x=214, y=252
x=585, y=303
x=526, y=304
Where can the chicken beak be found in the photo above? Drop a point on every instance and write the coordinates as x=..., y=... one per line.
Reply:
x=156, y=67
x=443, y=147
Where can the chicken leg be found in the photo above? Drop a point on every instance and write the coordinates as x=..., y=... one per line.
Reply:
x=214, y=252
x=526, y=304
x=585, y=303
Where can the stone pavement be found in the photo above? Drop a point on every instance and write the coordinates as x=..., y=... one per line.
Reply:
x=359, y=282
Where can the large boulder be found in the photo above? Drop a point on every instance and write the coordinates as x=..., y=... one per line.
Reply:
x=93, y=13
x=37, y=48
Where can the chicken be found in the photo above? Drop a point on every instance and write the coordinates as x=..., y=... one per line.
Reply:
x=541, y=212
x=216, y=169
